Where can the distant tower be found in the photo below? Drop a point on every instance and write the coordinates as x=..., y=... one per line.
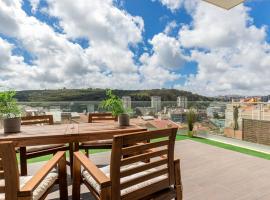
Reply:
x=126, y=101
x=182, y=102
x=156, y=103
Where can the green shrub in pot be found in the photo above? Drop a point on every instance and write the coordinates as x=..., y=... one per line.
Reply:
x=10, y=112
x=114, y=104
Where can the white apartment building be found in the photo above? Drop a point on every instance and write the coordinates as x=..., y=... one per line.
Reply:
x=182, y=102
x=156, y=103
x=126, y=102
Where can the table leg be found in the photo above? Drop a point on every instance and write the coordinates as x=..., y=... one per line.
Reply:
x=23, y=161
x=71, y=150
x=76, y=146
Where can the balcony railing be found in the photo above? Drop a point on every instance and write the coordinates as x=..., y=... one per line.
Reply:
x=212, y=117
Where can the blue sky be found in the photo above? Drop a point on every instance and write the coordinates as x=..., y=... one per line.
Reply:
x=127, y=44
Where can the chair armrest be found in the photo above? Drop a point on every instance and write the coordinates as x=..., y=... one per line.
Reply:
x=92, y=169
x=32, y=184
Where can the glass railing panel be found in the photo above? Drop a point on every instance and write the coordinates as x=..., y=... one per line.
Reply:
x=215, y=117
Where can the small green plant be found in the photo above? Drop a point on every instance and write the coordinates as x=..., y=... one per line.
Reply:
x=113, y=104
x=8, y=105
x=191, y=119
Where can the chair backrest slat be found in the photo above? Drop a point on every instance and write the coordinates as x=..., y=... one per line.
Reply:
x=143, y=146
x=43, y=119
x=141, y=137
x=144, y=158
x=101, y=117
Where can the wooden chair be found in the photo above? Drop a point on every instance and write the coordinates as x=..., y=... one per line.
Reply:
x=98, y=144
x=37, y=187
x=41, y=150
x=129, y=177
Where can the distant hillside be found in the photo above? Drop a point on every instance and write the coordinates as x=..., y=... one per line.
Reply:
x=99, y=94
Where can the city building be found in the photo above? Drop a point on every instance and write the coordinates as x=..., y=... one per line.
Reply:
x=156, y=103
x=182, y=102
x=177, y=115
x=258, y=111
x=216, y=109
x=126, y=102
x=265, y=98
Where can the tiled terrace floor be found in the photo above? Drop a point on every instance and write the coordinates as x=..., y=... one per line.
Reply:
x=211, y=173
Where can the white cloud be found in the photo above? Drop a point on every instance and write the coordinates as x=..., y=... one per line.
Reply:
x=99, y=20
x=166, y=53
x=170, y=27
x=235, y=52
x=172, y=4
x=34, y=4
x=231, y=52
x=167, y=56
x=58, y=62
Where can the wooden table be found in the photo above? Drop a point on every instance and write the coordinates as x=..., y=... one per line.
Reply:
x=66, y=133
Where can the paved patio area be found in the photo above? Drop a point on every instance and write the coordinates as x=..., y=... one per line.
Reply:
x=211, y=173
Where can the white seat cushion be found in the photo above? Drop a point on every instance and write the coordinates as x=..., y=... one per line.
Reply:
x=42, y=187
x=106, y=170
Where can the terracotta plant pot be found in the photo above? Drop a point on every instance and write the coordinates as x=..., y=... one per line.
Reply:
x=12, y=125
x=123, y=120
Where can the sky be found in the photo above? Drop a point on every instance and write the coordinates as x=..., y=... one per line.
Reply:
x=135, y=44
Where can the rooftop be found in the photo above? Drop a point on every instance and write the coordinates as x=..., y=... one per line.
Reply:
x=225, y=175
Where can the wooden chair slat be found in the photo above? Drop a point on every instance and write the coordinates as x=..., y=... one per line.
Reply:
x=2, y=189
x=142, y=136
x=143, y=146
x=37, y=119
x=2, y=174
x=143, y=178
x=143, y=157
x=101, y=116
x=143, y=167
x=35, y=122
x=138, y=194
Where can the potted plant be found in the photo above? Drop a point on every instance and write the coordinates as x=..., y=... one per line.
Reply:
x=114, y=104
x=191, y=119
x=10, y=112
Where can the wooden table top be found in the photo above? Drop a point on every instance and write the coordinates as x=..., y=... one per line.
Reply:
x=65, y=133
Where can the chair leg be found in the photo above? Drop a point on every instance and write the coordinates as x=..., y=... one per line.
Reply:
x=105, y=193
x=23, y=161
x=76, y=185
x=71, y=150
x=178, y=181
x=62, y=170
x=86, y=152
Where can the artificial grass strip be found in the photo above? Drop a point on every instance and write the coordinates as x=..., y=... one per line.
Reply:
x=179, y=138
x=232, y=148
